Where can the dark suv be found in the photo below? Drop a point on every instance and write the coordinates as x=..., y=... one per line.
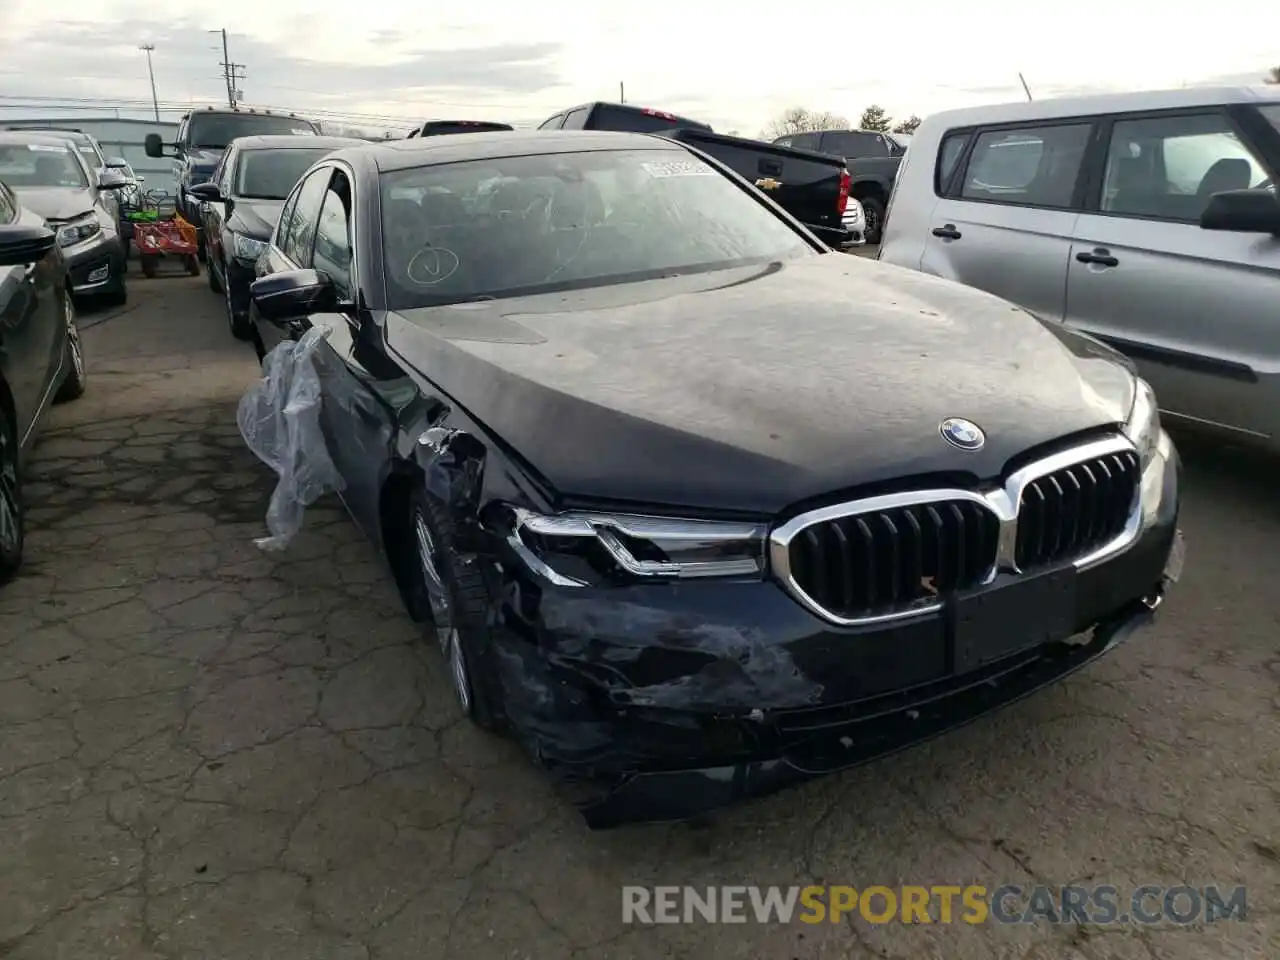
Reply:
x=202, y=137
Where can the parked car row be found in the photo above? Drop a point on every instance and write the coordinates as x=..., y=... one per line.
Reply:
x=694, y=507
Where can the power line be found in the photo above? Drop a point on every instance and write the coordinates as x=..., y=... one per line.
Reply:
x=221, y=76
x=11, y=102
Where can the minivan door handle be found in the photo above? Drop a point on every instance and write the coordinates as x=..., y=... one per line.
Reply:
x=1099, y=255
x=947, y=231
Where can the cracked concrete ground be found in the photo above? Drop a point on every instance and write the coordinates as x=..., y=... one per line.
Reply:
x=208, y=752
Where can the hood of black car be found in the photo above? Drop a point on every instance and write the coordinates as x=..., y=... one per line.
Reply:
x=203, y=162
x=56, y=203
x=754, y=390
x=255, y=218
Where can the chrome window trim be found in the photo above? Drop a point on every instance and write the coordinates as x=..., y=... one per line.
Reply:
x=1002, y=501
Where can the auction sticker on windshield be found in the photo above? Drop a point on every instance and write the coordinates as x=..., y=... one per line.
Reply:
x=677, y=168
x=46, y=148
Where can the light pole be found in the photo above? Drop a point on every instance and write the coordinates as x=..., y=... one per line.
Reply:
x=155, y=104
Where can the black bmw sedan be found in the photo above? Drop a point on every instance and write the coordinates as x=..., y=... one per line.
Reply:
x=696, y=507
x=240, y=206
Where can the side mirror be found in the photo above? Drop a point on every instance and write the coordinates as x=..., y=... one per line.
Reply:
x=113, y=180
x=292, y=295
x=22, y=243
x=206, y=192
x=1243, y=211
x=153, y=144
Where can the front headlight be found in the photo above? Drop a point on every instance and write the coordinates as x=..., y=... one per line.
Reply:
x=78, y=231
x=580, y=548
x=1143, y=425
x=247, y=248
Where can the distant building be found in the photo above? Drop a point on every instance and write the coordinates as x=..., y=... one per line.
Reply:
x=119, y=138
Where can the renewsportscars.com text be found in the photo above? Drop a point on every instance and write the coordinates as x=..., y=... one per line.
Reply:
x=943, y=904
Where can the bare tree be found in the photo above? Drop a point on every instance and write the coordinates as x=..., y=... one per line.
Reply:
x=1273, y=76
x=908, y=126
x=799, y=120
x=875, y=117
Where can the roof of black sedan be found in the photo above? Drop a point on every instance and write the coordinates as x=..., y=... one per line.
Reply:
x=265, y=141
x=452, y=148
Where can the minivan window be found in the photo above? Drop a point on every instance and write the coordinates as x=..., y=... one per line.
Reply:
x=853, y=146
x=1168, y=167
x=948, y=156
x=1272, y=112
x=1032, y=166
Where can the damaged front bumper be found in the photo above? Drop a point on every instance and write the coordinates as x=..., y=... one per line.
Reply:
x=665, y=701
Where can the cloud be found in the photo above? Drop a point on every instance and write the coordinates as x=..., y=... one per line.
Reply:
x=102, y=60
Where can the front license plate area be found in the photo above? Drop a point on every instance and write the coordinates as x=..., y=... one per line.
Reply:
x=1025, y=612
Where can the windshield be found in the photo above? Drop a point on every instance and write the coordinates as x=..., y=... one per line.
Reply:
x=213, y=131
x=271, y=174
x=40, y=165
x=521, y=225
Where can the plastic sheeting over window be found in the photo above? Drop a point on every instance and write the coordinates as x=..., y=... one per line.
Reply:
x=279, y=418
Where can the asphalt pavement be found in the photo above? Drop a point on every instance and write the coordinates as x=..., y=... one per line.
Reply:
x=211, y=752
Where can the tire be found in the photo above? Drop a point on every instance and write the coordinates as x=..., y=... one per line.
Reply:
x=149, y=265
x=873, y=215
x=192, y=264
x=215, y=284
x=241, y=327
x=74, y=385
x=12, y=527
x=453, y=597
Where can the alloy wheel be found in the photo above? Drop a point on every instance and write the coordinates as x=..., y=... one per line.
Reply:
x=870, y=221
x=447, y=634
x=10, y=521
x=226, y=294
x=73, y=339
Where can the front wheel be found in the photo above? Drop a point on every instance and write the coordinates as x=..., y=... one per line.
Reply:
x=74, y=385
x=241, y=326
x=11, y=514
x=456, y=596
x=873, y=216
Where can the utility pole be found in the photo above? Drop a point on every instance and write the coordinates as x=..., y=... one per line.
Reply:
x=231, y=72
x=622, y=92
x=155, y=103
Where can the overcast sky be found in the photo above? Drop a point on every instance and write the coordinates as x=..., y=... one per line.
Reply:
x=733, y=64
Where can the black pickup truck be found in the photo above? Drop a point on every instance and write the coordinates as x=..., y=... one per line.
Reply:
x=872, y=158
x=813, y=187
x=439, y=128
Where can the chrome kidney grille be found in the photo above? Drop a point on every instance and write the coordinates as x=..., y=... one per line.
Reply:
x=1075, y=510
x=901, y=554
x=894, y=559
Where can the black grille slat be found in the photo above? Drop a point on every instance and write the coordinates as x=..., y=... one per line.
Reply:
x=1076, y=510
x=900, y=557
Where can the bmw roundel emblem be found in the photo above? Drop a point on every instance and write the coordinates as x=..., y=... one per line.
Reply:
x=962, y=433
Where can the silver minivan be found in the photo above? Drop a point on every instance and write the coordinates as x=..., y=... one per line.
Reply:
x=1149, y=220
